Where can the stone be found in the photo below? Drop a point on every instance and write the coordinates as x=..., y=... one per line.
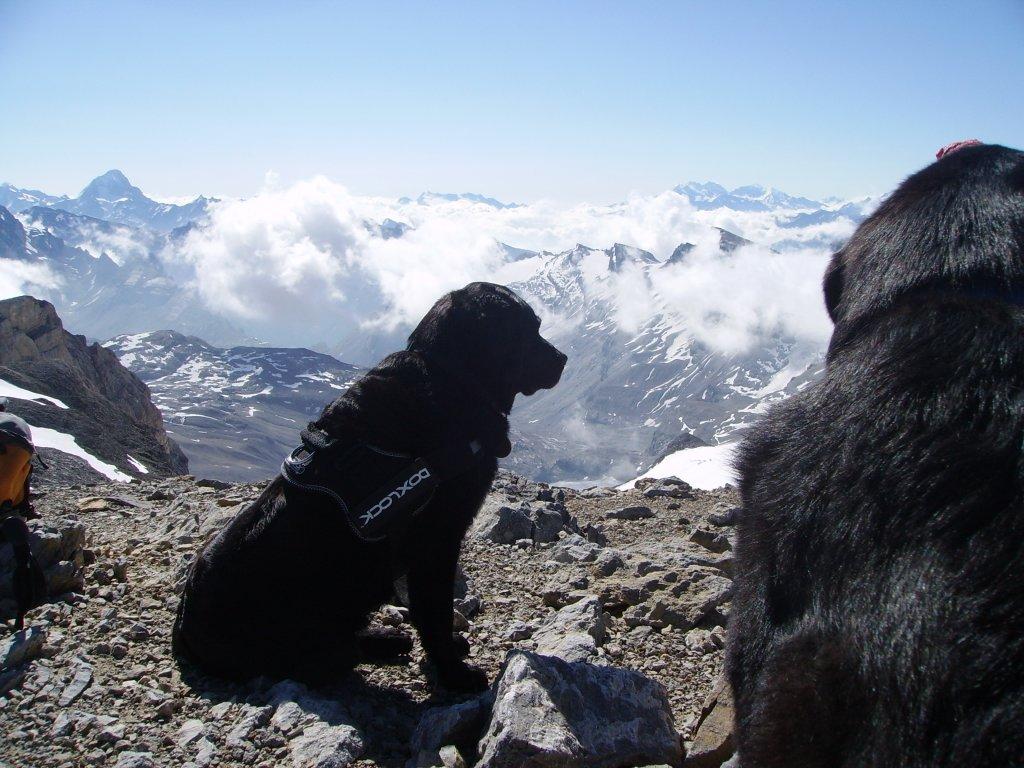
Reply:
x=59, y=547
x=724, y=514
x=620, y=592
x=547, y=525
x=561, y=589
x=716, y=541
x=519, y=630
x=191, y=732
x=665, y=487
x=390, y=616
x=469, y=606
x=608, y=562
x=63, y=725
x=287, y=717
x=548, y=712
x=206, y=750
x=501, y=524
x=574, y=549
x=135, y=760
x=451, y=757
x=326, y=746
x=80, y=680
x=574, y=632
x=691, y=601
x=460, y=725
x=635, y=512
x=713, y=740
x=22, y=646
x=111, y=734
x=248, y=721
x=700, y=641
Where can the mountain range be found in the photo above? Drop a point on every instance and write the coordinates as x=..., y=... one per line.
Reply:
x=236, y=411
x=110, y=197
x=631, y=392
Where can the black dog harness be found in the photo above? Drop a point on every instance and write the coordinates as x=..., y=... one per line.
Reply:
x=378, y=490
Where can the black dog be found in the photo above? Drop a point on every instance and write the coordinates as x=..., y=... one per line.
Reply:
x=878, y=618
x=286, y=588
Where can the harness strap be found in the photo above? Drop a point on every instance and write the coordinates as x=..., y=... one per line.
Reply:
x=378, y=491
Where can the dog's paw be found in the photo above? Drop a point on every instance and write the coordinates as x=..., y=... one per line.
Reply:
x=463, y=678
x=461, y=645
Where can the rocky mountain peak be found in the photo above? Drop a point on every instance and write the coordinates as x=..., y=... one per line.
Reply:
x=619, y=255
x=105, y=407
x=12, y=235
x=112, y=185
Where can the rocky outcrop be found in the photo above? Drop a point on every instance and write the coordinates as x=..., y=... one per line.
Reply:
x=110, y=413
x=551, y=713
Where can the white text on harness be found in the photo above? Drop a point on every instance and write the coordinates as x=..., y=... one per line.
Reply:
x=394, y=496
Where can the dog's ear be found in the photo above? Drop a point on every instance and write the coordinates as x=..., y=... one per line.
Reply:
x=833, y=285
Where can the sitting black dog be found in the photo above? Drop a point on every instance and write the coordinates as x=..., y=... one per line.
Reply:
x=878, y=618
x=286, y=588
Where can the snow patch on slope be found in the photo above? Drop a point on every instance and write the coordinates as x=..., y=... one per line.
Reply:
x=12, y=390
x=706, y=467
x=44, y=437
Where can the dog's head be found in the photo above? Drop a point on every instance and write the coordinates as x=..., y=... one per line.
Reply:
x=957, y=225
x=485, y=331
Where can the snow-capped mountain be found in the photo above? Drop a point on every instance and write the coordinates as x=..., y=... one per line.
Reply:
x=107, y=278
x=235, y=412
x=113, y=198
x=634, y=387
x=626, y=396
x=708, y=196
x=432, y=198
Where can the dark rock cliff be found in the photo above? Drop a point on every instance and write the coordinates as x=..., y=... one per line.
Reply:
x=110, y=412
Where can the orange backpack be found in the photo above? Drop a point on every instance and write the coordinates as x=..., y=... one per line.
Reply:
x=15, y=469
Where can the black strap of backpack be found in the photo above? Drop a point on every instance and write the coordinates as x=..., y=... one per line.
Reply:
x=29, y=581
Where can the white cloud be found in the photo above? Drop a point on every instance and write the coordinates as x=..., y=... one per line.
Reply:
x=19, y=277
x=297, y=264
x=729, y=302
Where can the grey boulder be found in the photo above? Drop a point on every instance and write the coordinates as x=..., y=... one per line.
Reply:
x=574, y=632
x=548, y=712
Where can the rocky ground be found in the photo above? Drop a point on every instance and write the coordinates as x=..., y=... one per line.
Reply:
x=605, y=581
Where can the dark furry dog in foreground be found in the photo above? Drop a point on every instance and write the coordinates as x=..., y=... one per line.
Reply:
x=879, y=610
x=285, y=590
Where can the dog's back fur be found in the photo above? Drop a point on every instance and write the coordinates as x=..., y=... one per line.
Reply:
x=879, y=610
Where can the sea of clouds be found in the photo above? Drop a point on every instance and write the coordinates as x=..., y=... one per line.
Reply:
x=296, y=263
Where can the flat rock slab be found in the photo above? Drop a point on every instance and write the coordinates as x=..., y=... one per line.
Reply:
x=81, y=680
x=635, y=512
x=21, y=647
x=548, y=712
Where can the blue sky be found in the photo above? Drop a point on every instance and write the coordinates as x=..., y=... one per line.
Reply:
x=564, y=100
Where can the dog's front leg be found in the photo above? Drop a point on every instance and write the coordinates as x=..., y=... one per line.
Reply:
x=431, y=587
